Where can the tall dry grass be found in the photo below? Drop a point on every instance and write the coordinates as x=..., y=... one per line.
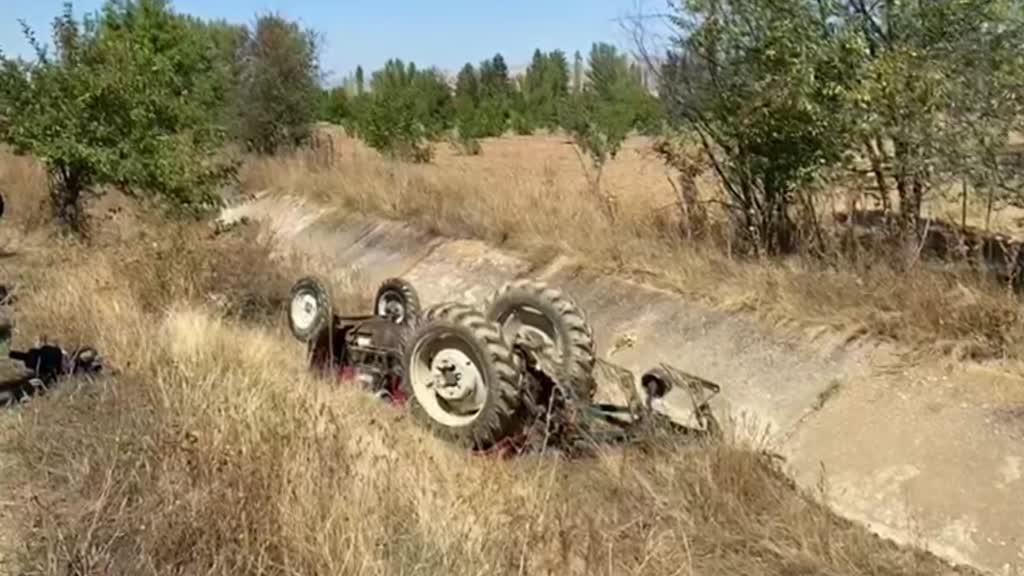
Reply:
x=530, y=194
x=210, y=450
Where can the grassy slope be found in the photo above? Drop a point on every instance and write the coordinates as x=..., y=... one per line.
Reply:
x=211, y=451
x=529, y=193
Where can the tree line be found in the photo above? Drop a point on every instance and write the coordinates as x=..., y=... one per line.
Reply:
x=404, y=109
x=778, y=98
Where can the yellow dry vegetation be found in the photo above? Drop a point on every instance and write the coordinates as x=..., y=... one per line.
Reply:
x=208, y=449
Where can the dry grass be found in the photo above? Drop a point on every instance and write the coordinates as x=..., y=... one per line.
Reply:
x=210, y=450
x=213, y=452
x=530, y=194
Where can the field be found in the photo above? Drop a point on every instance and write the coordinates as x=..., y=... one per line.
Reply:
x=209, y=451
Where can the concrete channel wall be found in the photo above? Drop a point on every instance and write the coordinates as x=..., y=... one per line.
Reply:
x=926, y=456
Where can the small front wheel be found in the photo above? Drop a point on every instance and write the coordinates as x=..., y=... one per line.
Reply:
x=397, y=300
x=310, y=308
x=461, y=378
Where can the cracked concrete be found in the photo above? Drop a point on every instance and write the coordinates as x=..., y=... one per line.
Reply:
x=925, y=455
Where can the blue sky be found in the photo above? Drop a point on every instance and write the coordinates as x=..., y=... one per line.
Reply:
x=445, y=33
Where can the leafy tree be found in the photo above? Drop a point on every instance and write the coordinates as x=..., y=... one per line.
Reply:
x=128, y=99
x=406, y=110
x=435, y=103
x=228, y=41
x=360, y=81
x=577, y=72
x=546, y=84
x=467, y=101
x=939, y=91
x=334, y=105
x=764, y=83
x=603, y=114
x=495, y=96
x=279, y=87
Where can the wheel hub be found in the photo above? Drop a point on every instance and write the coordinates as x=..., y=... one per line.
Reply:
x=454, y=377
x=529, y=327
x=303, y=310
x=391, y=306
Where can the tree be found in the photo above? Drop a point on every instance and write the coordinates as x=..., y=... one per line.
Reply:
x=360, y=81
x=406, y=110
x=602, y=115
x=279, y=86
x=940, y=90
x=435, y=103
x=577, y=72
x=334, y=106
x=467, y=101
x=765, y=86
x=128, y=99
x=545, y=85
x=495, y=96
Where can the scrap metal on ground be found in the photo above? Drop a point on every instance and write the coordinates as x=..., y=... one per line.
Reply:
x=522, y=372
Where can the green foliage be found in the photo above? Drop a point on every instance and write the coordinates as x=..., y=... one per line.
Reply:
x=545, y=86
x=407, y=109
x=780, y=91
x=608, y=107
x=577, y=72
x=467, y=100
x=279, y=89
x=767, y=102
x=941, y=83
x=130, y=98
x=360, y=81
x=495, y=103
x=334, y=106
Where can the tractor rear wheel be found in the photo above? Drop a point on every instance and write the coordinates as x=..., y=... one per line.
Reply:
x=532, y=309
x=461, y=378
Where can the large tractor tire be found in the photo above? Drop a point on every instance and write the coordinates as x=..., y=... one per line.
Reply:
x=461, y=379
x=397, y=299
x=534, y=309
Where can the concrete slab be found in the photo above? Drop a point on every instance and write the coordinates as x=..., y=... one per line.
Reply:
x=377, y=250
x=465, y=271
x=927, y=457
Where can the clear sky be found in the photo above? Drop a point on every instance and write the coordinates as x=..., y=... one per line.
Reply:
x=445, y=33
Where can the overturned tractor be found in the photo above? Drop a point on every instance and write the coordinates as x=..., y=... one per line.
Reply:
x=524, y=368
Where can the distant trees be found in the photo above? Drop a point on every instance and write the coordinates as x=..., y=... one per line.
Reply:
x=484, y=101
x=545, y=87
x=468, y=124
x=407, y=109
